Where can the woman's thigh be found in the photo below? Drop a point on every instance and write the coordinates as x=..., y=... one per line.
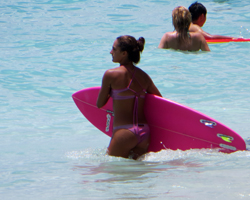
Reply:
x=141, y=148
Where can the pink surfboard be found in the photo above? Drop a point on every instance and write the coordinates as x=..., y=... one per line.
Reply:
x=214, y=41
x=172, y=125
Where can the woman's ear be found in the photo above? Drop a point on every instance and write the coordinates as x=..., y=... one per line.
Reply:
x=124, y=53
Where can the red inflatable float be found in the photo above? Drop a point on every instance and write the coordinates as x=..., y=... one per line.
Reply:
x=213, y=41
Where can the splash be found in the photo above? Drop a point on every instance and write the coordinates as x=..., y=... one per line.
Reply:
x=244, y=32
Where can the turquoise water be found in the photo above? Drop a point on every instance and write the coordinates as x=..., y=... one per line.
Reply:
x=53, y=48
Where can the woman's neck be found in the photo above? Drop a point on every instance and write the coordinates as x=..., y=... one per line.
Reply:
x=127, y=64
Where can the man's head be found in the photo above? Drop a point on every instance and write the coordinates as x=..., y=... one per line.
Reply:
x=198, y=12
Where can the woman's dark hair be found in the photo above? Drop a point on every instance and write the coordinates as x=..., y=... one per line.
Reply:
x=132, y=46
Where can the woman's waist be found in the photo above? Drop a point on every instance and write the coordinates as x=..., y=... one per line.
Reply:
x=131, y=126
x=123, y=121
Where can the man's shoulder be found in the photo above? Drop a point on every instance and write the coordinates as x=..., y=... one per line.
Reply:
x=194, y=28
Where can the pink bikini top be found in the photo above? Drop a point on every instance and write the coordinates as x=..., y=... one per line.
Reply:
x=115, y=93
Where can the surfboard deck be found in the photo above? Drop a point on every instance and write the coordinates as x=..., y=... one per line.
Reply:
x=214, y=41
x=172, y=125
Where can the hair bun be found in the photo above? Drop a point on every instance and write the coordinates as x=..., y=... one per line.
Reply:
x=141, y=42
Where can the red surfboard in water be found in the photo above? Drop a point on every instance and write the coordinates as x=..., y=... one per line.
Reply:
x=172, y=125
x=214, y=41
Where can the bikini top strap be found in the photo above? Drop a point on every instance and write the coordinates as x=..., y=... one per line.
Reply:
x=133, y=75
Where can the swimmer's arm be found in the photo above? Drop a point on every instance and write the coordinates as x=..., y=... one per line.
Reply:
x=104, y=93
x=196, y=28
x=209, y=36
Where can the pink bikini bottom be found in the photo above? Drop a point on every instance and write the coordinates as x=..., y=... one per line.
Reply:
x=141, y=131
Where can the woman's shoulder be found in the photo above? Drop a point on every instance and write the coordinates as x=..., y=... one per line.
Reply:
x=112, y=73
x=170, y=34
x=196, y=35
x=142, y=74
x=139, y=70
x=114, y=70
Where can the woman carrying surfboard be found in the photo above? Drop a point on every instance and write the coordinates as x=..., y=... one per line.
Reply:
x=181, y=38
x=127, y=85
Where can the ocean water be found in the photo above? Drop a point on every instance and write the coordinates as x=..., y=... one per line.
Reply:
x=50, y=49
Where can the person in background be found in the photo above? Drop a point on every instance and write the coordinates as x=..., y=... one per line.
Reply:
x=198, y=13
x=181, y=38
x=127, y=85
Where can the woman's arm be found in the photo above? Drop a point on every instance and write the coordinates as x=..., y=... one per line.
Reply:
x=204, y=45
x=152, y=89
x=164, y=42
x=104, y=93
